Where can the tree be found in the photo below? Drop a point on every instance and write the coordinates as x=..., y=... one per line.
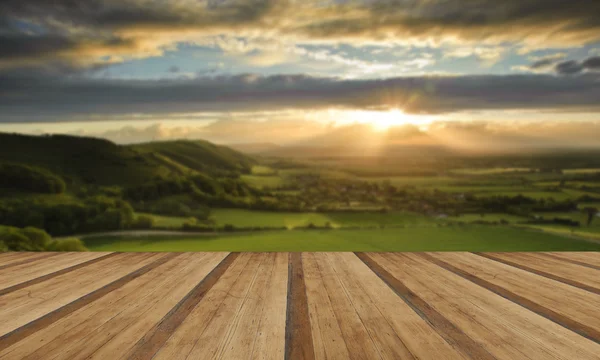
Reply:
x=591, y=212
x=68, y=244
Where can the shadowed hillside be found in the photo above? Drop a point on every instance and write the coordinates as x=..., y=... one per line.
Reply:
x=101, y=162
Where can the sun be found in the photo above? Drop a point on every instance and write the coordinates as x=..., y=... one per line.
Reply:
x=383, y=120
x=378, y=120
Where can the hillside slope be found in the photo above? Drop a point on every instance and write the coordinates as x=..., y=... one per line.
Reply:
x=101, y=162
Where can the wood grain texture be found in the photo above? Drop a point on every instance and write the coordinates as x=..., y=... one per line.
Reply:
x=589, y=258
x=541, y=295
x=52, y=275
x=571, y=259
x=13, y=259
x=298, y=337
x=489, y=319
x=442, y=325
x=156, y=336
x=27, y=310
x=299, y=306
x=30, y=270
x=563, y=271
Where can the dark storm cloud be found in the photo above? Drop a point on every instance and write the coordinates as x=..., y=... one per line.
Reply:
x=65, y=24
x=592, y=63
x=54, y=98
x=543, y=63
x=575, y=67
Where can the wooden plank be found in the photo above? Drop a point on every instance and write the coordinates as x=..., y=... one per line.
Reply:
x=25, y=305
x=243, y=330
x=587, y=257
x=357, y=326
x=443, y=326
x=57, y=315
x=13, y=259
x=155, y=338
x=269, y=343
x=370, y=294
x=568, y=273
x=43, y=278
x=327, y=337
x=298, y=337
x=200, y=334
x=504, y=328
x=537, y=293
x=14, y=275
x=67, y=331
x=144, y=311
x=573, y=259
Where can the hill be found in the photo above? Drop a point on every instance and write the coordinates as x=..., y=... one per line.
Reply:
x=101, y=162
x=198, y=155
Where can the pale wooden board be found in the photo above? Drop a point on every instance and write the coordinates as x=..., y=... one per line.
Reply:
x=353, y=313
x=118, y=332
x=222, y=318
x=21, y=273
x=7, y=259
x=564, y=269
x=505, y=329
x=270, y=338
x=386, y=313
x=69, y=329
x=183, y=340
x=327, y=335
x=27, y=304
x=583, y=307
x=591, y=258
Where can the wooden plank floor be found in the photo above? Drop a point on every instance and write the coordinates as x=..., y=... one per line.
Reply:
x=300, y=305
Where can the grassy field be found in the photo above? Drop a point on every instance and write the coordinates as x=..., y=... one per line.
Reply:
x=454, y=238
x=489, y=171
x=247, y=218
x=166, y=221
x=487, y=217
x=264, y=181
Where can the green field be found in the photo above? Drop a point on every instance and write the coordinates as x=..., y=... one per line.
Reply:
x=487, y=217
x=247, y=218
x=453, y=238
x=167, y=221
x=263, y=181
x=490, y=171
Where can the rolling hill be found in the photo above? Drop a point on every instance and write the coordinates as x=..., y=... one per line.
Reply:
x=101, y=162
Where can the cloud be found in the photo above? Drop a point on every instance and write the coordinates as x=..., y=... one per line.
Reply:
x=27, y=97
x=36, y=30
x=575, y=67
x=569, y=67
x=357, y=139
x=489, y=55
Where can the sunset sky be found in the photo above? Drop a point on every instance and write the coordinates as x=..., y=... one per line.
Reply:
x=287, y=71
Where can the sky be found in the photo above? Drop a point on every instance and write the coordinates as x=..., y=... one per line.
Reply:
x=292, y=71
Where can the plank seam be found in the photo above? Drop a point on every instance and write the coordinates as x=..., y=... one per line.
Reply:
x=155, y=338
x=558, y=278
x=38, y=324
x=444, y=327
x=572, y=261
x=26, y=261
x=298, y=336
x=54, y=274
x=562, y=320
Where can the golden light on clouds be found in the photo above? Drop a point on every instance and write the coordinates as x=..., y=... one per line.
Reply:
x=380, y=120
